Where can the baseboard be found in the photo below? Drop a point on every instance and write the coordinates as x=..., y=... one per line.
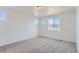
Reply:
x=11, y=43
x=56, y=39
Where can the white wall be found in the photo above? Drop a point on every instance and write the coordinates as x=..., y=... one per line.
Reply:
x=18, y=26
x=77, y=29
x=67, y=33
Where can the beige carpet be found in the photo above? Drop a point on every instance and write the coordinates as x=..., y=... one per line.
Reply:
x=40, y=45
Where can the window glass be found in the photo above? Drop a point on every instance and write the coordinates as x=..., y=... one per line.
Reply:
x=54, y=23
x=2, y=16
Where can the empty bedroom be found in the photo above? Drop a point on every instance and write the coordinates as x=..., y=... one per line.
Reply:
x=39, y=29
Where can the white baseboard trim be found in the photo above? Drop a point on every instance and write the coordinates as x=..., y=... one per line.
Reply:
x=6, y=44
x=56, y=39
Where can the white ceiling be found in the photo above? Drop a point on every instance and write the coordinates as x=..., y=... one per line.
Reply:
x=24, y=9
x=54, y=10
x=43, y=11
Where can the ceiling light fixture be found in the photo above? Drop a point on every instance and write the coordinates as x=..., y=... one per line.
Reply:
x=38, y=6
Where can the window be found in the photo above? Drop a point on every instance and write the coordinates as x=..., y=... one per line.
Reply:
x=54, y=23
x=2, y=16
